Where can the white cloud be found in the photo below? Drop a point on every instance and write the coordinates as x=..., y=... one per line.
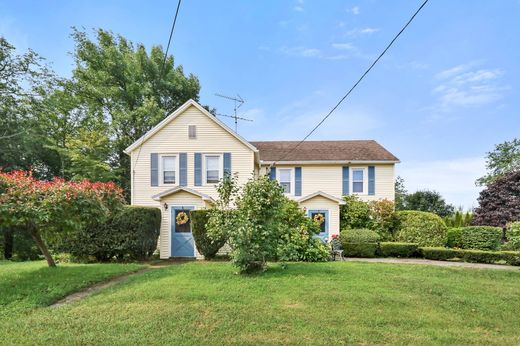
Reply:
x=299, y=6
x=465, y=86
x=345, y=46
x=454, y=179
x=361, y=31
x=354, y=10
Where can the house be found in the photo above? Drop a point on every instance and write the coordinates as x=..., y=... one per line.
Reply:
x=176, y=165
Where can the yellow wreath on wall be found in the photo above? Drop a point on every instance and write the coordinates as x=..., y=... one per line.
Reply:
x=319, y=218
x=182, y=218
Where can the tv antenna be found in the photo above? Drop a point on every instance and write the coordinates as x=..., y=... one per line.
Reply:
x=238, y=103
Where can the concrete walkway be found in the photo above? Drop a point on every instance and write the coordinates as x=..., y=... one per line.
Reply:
x=433, y=263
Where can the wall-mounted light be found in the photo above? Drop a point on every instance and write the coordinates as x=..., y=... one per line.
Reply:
x=165, y=206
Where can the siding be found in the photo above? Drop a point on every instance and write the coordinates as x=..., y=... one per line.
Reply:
x=328, y=178
x=173, y=139
x=320, y=202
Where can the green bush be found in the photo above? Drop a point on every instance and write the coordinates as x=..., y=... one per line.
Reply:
x=472, y=256
x=391, y=249
x=21, y=244
x=480, y=238
x=423, y=228
x=453, y=237
x=513, y=236
x=206, y=245
x=129, y=235
x=355, y=213
x=359, y=242
x=383, y=219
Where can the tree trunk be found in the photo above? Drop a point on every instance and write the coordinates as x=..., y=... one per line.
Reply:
x=8, y=244
x=41, y=245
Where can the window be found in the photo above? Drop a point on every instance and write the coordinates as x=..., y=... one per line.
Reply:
x=212, y=169
x=192, y=131
x=285, y=179
x=358, y=180
x=168, y=169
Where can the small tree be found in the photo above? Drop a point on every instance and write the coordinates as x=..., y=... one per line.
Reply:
x=383, y=219
x=499, y=202
x=50, y=209
x=355, y=213
x=400, y=193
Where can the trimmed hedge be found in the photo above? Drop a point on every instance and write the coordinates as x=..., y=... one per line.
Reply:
x=131, y=234
x=480, y=238
x=473, y=256
x=453, y=237
x=359, y=242
x=389, y=249
x=423, y=228
x=205, y=245
x=513, y=236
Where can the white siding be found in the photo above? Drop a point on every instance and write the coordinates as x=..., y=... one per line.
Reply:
x=323, y=203
x=329, y=179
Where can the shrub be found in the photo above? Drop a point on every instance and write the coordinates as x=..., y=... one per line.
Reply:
x=513, y=236
x=130, y=234
x=459, y=219
x=453, y=237
x=298, y=241
x=383, y=218
x=480, y=238
x=473, y=256
x=355, y=213
x=359, y=242
x=426, y=229
x=390, y=249
x=206, y=245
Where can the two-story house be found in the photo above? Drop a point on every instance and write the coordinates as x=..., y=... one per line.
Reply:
x=177, y=164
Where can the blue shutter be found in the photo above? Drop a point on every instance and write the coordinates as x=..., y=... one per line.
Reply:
x=183, y=169
x=345, y=181
x=227, y=164
x=297, y=181
x=272, y=173
x=198, y=169
x=154, y=169
x=371, y=180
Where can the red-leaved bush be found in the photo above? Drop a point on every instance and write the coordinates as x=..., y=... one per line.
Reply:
x=49, y=208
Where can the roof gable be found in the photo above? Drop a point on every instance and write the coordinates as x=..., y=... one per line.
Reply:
x=176, y=189
x=176, y=114
x=321, y=194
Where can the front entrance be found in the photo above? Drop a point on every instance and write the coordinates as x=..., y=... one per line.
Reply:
x=182, y=238
x=322, y=217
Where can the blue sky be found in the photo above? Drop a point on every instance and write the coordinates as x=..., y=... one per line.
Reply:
x=445, y=93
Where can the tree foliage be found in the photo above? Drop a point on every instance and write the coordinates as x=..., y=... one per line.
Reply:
x=499, y=202
x=400, y=193
x=355, y=213
x=428, y=201
x=505, y=158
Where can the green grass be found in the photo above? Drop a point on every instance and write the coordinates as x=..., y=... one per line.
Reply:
x=324, y=303
x=27, y=285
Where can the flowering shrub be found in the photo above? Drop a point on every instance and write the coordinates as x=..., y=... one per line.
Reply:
x=51, y=208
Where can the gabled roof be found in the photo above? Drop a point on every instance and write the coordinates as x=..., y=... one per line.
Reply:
x=176, y=189
x=322, y=194
x=174, y=115
x=324, y=151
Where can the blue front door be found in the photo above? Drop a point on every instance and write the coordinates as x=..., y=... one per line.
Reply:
x=182, y=238
x=324, y=225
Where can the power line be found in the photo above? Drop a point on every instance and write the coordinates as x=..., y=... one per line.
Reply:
x=160, y=76
x=355, y=84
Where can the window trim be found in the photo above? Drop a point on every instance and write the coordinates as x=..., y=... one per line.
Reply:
x=365, y=180
x=205, y=171
x=292, y=182
x=194, y=137
x=161, y=169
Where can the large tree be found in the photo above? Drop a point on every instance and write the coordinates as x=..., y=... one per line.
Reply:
x=126, y=88
x=503, y=159
x=499, y=202
x=430, y=201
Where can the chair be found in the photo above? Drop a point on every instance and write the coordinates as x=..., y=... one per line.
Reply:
x=336, y=249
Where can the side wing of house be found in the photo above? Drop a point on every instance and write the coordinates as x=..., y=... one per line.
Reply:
x=176, y=166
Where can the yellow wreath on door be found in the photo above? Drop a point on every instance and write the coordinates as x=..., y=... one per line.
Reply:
x=182, y=218
x=319, y=218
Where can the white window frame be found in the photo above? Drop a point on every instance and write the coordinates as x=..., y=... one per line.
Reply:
x=176, y=168
x=293, y=185
x=365, y=180
x=205, y=171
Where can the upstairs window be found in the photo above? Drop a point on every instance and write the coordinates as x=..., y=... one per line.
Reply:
x=168, y=169
x=192, y=131
x=284, y=177
x=358, y=175
x=212, y=169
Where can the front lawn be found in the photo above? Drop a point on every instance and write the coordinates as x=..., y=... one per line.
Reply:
x=308, y=303
x=26, y=285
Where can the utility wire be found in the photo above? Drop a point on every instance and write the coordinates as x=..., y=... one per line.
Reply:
x=354, y=86
x=161, y=71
